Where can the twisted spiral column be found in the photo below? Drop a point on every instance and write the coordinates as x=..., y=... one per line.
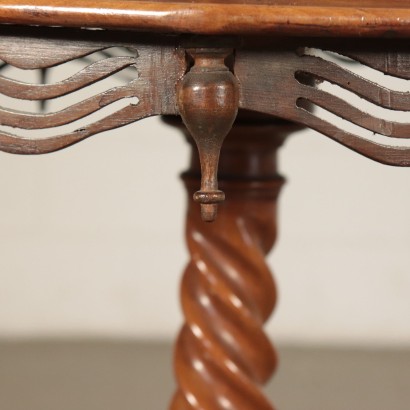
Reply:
x=222, y=354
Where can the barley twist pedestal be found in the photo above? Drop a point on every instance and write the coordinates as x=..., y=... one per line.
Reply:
x=205, y=62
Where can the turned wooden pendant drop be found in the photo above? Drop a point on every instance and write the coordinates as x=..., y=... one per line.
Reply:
x=208, y=99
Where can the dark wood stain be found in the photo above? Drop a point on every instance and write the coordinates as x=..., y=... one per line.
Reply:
x=159, y=66
x=292, y=73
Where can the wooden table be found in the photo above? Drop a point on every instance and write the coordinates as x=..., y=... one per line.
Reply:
x=266, y=66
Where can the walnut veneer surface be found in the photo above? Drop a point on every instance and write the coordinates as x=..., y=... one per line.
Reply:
x=314, y=18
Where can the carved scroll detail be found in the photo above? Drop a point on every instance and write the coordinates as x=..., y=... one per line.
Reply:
x=294, y=83
x=151, y=90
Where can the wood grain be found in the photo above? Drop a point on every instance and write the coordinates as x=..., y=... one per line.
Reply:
x=281, y=79
x=222, y=355
x=208, y=99
x=293, y=18
x=158, y=64
x=285, y=80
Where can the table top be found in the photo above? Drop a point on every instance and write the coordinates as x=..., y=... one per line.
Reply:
x=349, y=18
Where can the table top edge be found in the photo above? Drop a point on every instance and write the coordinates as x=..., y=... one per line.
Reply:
x=211, y=18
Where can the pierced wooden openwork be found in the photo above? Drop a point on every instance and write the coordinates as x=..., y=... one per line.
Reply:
x=304, y=82
x=153, y=70
x=312, y=82
x=222, y=354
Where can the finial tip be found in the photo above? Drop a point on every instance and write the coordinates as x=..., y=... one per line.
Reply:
x=209, y=212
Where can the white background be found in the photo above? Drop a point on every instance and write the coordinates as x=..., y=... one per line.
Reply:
x=89, y=247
